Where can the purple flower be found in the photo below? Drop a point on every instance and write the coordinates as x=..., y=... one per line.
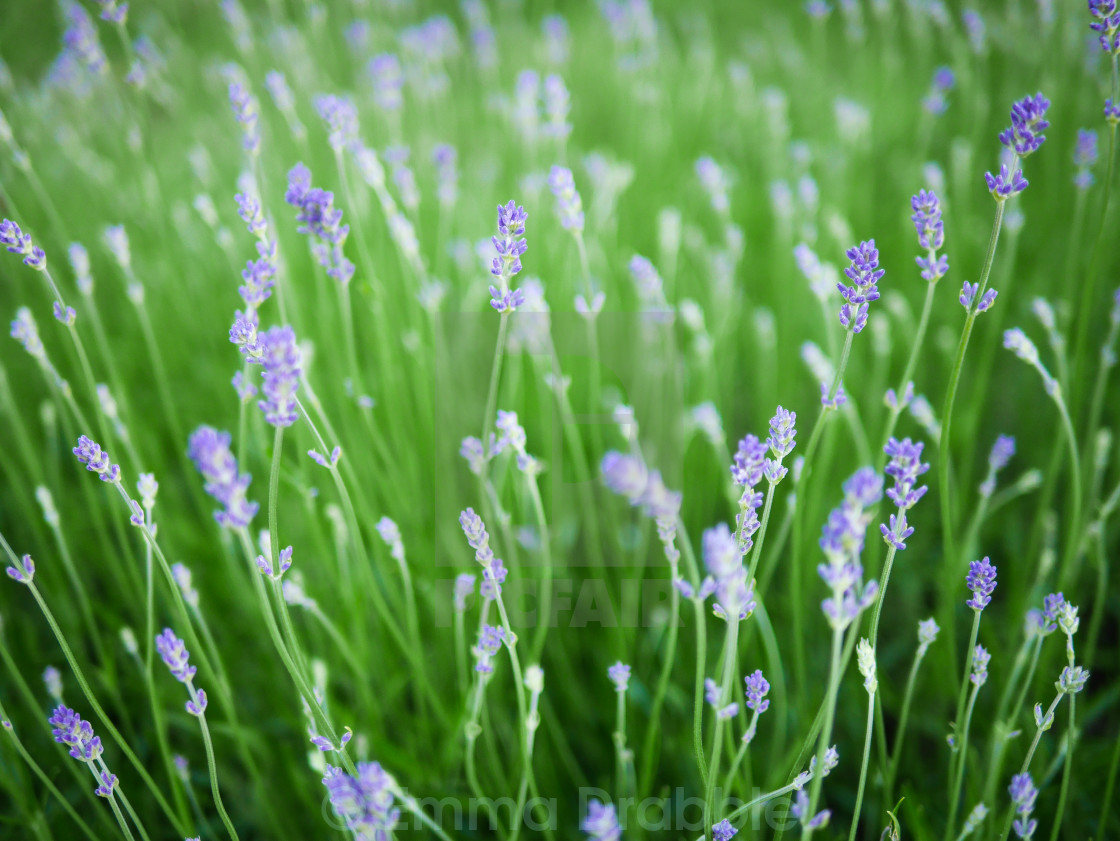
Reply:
x=509, y=244
x=619, y=674
x=1051, y=609
x=905, y=466
x=1002, y=451
x=782, y=433
x=476, y=534
x=108, y=781
x=387, y=75
x=68, y=728
x=927, y=219
x=1111, y=111
x=1106, y=23
x=981, y=581
x=1005, y=185
x=557, y=106
x=1028, y=120
x=864, y=273
x=209, y=450
x=569, y=206
x=17, y=242
x=927, y=633
x=363, y=803
x=757, y=687
x=489, y=641
x=281, y=363
x=247, y=111
x=1072, y=680
x=1085, y=157
x=842, y=540
x=601, y=822
x=341, y=117
x=1023, y=795
x=174, y=654
x=445, y=158
x=326, y=461
x=112, y=12
x=81, y=39
x=244, y=334
x=800, y=810
x=723, y=559
x=264, y=564
x=980, y=660
x=23, y=571
x=320, y=220
x=626, y=475
x=96, y=460
x=750, y=462
x=723, y=831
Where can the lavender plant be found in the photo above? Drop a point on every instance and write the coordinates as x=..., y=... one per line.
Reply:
x=395, y=366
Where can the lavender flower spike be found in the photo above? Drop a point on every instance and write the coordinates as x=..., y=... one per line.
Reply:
x=619, y=674
x=569, y=206
x=864, y=273
x=601, y=822
x=281, y=361
x=364, y=803
x=17, y=242
x=723, y=831
x=1023, y=795
x=1106, y=22
x=510, y=245
x=980, y=660
x=1028, y=120
x=68, y=728
x=210, y=452
x=174, y=654
x=97, y=460
x=982, y=582
x=931, y=234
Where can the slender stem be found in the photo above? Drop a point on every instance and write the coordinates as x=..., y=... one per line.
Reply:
x=954, y=802
x=826, y=729
x=6, y=725
x=212, y=765
x=698, y=689
x=863, y=766
x=492, y=394
x=911, y=364
x=904, y=718
x=954, y=381
x=1073, y=532
x=544, y=610
x=1027, y=762
x=1071, y=739
x=730, y=661
x=964, y=690
x=667, y=664
x=100, y=713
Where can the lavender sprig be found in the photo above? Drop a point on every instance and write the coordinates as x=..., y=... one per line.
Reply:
x=509, y=244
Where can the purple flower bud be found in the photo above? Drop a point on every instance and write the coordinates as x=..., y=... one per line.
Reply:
x=17, y=242
x=281, y=362
x=81, y=39
x=489, y=641
x=387, y=75
x=981, y=581
x=96, y=460
x=210, y=452
x=980, y=660
x=1005, y=185
x=174, y=654
x=987, y=301
x=1023, y=795
x=1106, y=22
x=341, y=117
x=601, y=822
x=1028, y=120
x=68, y=728
x=569, y=206
x=864, y=273
x=23, y=571
x=108, y=781
x=927, y=219
x=723, y=831
x=757, y=688
x=320, y=220
x=905, y=466
x=619, y=674
x=1111, y=112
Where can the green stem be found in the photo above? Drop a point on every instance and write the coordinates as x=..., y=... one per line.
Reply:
x=954, y=381
x=896, y=754
x=911, y=364
x=212, y=765
x=954, y=802
x=826, y=729
x=863, y=766
x=1071, y=739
